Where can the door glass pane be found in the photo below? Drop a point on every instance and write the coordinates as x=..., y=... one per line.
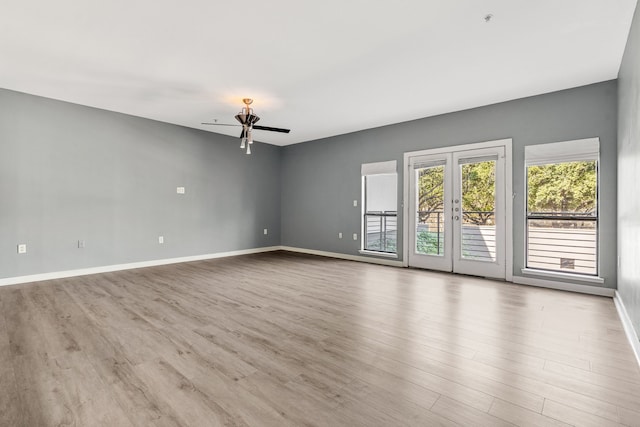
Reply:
x=430, y=215
x=477, y=210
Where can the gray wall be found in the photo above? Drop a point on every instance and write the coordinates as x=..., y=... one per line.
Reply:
x=629, y=175
x=320, y=179
x=69, y=172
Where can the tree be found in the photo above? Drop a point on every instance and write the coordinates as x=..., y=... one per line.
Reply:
x=562, y=187
x=479, y=192
x=430, y=191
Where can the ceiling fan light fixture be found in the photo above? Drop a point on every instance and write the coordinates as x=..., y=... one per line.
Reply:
x=242, y=118
x=243, y=137
x=252, y=118
x=247, y=120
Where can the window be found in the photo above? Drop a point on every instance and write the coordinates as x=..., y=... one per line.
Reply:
x=430, y=189
x=562, y=206
x=379, y=205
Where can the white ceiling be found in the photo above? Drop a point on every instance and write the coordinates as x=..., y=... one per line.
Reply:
x=321, y=68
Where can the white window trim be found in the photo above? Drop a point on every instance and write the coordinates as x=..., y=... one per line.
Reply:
x=389, y=167
x=587, y=149
x=562, y=275
x=376, y=253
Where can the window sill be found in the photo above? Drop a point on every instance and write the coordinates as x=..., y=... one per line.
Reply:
x=559, y=275
x=381, y=254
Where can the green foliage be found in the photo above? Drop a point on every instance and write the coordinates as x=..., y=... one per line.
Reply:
x=563, y=187
x=427, y=243
x=479, y=192
x=478, y=189
x=390, y=244
x=430, y=189
x=387, y=244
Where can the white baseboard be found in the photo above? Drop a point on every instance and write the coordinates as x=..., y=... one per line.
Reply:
x=128, y=266
x=629, y=330
x=563, y=286
x=594, y=290
x=370, y=260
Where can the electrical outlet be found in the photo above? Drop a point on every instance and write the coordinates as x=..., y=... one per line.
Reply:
x=180, y=190
x=265, y=231
x=355, y=236
x=355, y=203
x=339, y=235
x=22, y=248
x=80, y=244
x=161, y=239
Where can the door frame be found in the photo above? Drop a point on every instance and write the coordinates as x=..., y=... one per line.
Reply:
x=508, y=189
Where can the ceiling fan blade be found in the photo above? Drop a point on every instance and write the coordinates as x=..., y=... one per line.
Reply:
x=219, y=124
x=258, y=127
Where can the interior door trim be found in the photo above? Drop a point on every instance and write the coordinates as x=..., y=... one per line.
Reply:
x=507, y=144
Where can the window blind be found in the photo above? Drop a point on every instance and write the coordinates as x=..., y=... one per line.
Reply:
x=466, y=161
x=379, y=168
x=562, y=152
x=431, y=164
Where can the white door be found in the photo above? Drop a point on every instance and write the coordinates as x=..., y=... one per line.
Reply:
x=457, y=211
x=430, y=193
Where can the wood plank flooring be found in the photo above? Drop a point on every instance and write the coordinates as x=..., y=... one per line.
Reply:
x=280, y=339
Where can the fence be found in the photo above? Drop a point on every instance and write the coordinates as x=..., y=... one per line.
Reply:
x=381, y=231
x=557, y=241
x=478, y=234
x=562, y=241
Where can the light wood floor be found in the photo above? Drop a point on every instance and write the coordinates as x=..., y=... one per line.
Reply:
x=279, y=339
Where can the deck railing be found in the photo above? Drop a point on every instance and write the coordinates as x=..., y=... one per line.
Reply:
x=478, y=234
x=381, y=231
x=562, y=241
x=559, y=241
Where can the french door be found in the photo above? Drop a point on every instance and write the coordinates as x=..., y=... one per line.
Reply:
x=457, y=211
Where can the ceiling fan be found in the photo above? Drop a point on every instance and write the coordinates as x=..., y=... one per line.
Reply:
x=248, y=120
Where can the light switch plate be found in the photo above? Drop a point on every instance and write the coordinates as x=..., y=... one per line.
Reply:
x=22, y=248
x=161, y=239
x=265, y=231
x=355, y=236
x=355, y=203
x=180, y=190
